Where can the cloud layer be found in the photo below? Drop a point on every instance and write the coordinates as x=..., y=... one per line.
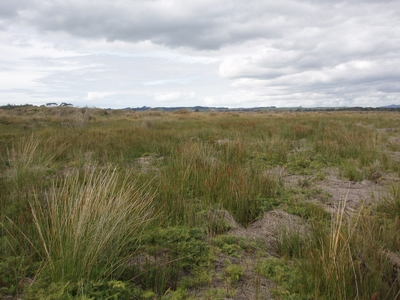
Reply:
x=286, y=53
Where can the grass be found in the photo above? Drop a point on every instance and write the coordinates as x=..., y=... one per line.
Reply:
x=347, y=262
x=86, y=221
x=99, y=203
x=207, y=176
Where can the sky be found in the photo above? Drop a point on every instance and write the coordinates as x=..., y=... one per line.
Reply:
x=223, y=53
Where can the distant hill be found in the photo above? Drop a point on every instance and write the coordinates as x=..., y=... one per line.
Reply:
x=391, y=106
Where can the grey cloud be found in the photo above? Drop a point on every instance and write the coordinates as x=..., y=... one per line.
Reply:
x=202, y=25
x=174, y=23
x=350, y=80
x=10, y=8
x=352, y=52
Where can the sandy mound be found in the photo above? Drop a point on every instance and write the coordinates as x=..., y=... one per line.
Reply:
x=271, y=227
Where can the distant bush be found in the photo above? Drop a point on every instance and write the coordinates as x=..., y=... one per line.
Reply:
x=13, y=106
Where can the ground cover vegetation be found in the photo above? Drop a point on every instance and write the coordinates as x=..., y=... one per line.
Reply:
x=113, y=204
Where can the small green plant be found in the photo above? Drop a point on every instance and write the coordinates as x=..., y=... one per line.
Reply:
x=216, y=293
x=112, y=289
x=306, y=163
x=165, y=254
x=12, y=270
x=285, y=277
x=236, y=246
x=234, y=272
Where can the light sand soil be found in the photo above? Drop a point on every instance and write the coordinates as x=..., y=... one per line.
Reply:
x=353, y=193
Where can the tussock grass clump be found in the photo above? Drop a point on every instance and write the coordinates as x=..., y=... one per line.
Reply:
x=27, y=161
x=348, y=260
x=86, y=221
x=31, y=152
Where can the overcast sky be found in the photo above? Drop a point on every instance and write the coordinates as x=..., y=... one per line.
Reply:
x=231, y=53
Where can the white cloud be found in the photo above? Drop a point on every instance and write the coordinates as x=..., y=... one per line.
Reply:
x=98, y=95
x=168, y=97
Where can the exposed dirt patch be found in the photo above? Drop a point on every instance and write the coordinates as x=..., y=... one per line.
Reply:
x=253, y=287
x=382, y=130
x=249, y=286
x=353, y=193
x=223, y=142
x=394, y=140
x=271, y=227
x=224, y=216
x=394, y=155
x=148, y=163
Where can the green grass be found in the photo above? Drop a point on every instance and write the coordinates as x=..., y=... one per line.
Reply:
x=98, y=203
x=207, y=176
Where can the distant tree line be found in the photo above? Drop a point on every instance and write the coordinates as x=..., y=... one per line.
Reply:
x=197, y=108
x=13, y=106
x=223, y=109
